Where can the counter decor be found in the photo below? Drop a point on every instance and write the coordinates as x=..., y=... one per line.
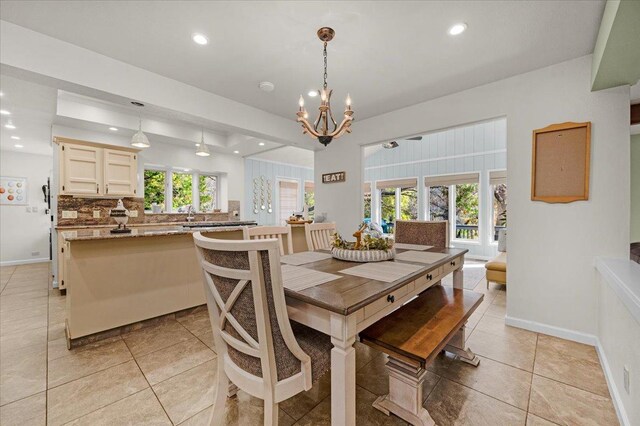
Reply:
x=121, y=215
x=370, y=246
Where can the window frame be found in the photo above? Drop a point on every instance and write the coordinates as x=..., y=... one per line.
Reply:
x=397, y=202
x=216, y=201
x=277, y=192
x=168, y=185
x=491, y=224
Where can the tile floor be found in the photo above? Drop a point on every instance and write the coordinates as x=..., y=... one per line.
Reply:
x=165, y=374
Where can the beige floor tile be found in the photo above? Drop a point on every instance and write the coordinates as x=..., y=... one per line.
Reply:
x=37, y=312
x=564, y=404
x=23, y=339
x=31, y=289
x=56, y=331
x=93, y=392
x=28, y=411
x=188, y=393
x=499, y=311
x=168, y=362
x=497, y=326
x=21, y=325
x=567, y=347
x=503, y=382
x=473, y=321
x=17, y=301
x=512, y=350
x=207, y=339
x=364, y=354
x=83, y=361
x=304, y=402
x=150, y=339
x=533, y=420
x=454, y=404
x=365, y=413
x=500, y=299
x=242, y=410
x=23, y=373
x=196, y=322
x=139, y=409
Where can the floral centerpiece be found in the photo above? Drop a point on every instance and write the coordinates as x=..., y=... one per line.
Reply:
x=370, y=245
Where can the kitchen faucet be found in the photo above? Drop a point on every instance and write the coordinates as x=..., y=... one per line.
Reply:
x=190, y=212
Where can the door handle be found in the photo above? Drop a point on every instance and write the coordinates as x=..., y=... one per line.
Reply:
x=97, y=188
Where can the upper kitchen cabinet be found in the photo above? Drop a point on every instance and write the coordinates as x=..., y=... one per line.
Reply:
x=91, y=169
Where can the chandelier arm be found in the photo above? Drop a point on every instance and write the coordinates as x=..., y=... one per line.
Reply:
x=308, y=128
x=342, y=128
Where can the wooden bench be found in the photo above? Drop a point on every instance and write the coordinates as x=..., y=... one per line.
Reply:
x=412, y=336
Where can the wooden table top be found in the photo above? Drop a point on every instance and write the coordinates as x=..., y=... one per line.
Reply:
x=351, y=293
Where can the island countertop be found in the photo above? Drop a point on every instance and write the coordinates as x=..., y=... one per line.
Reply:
x=103, y=233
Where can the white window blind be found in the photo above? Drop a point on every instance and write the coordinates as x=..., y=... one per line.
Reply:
x=446, y=180
x=497, y=177
x=309, y=186
x=288, y=199
x=397, y=183
x=367, y=187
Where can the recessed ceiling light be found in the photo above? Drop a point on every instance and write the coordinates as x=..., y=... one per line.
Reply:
x=457, y=29
x=200, y=39
x=1, y=94
x=9, y=126
x=266, y=86
x=19, y=146
x=4, y=112
x=113, y=129
x=15, y=138
x=313, y=93
x=236, y=152
x=261, y=144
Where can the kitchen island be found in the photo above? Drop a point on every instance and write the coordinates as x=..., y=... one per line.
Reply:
x=116, y=280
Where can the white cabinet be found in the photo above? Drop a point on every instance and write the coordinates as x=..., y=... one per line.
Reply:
x=89, y=169
x=120, y=170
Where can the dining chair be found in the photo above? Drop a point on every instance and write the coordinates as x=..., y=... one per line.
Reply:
x=319, y=235
x=259, y=349
x=267, y=232
x=428, y=233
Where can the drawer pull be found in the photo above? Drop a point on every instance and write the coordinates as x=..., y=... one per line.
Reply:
x=391, y=298
x=453, y=263
x=429, y=277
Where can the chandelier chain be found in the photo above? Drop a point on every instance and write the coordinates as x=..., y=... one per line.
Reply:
x=324, y=53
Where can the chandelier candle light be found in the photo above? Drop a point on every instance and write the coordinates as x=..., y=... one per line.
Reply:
x=320, y=128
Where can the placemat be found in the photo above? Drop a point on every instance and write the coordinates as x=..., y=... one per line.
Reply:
x=382, y=271
x=412, y=246
x=420, y=256
x=304, y=257
x=298, y=278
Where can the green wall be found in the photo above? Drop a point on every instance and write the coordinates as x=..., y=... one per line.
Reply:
x=635, y=188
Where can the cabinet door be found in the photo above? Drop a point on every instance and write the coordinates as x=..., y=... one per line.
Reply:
x=120, y=170
x=82, y=170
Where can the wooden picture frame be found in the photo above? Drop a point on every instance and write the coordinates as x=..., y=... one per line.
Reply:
x=560, y=163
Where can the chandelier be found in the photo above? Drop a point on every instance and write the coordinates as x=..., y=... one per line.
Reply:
x=325, y=128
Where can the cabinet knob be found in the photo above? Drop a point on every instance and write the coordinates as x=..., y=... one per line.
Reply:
x=453, y=263
x=429, y=277
x=97, y=188
x=107, y=188
x=391, y=298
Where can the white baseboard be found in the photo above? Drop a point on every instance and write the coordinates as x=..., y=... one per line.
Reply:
x=23, y=261
x=580, y=337
x=613, y=390
x=563, y=333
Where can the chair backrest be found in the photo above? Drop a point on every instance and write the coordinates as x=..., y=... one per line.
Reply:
x=319, y=235
x=248, y=313
x=428, y=233
x=269, y=232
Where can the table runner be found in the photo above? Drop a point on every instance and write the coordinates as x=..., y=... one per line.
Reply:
x=420, y=256
x=418, y=247
x=298, y=278
x=304, y=257
x=382, y=271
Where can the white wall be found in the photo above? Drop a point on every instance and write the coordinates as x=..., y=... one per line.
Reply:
x=24, y=233
x=552, y=284
x=635, y=188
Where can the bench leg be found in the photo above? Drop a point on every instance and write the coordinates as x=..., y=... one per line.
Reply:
x=457, y=346
x=405, y=396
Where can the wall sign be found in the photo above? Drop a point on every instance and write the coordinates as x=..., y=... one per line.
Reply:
x=334, y=177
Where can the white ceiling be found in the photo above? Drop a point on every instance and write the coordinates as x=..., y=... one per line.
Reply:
x=388, y=55
x=288, y=155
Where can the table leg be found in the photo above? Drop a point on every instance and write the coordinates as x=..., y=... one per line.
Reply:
x=458, y=277
x=343, y=370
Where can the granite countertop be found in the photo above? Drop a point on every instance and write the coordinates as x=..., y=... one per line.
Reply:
x=103, y=233
x=159, y=224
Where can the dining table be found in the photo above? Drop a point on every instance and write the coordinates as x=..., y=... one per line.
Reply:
x=350, y=297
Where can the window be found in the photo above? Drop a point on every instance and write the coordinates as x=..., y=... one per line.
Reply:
x=309, y=197
x=288, y=202
x=498, y=184
x=465, y=206
x=439, y=203
x=367, y=201
x=154, y=188
x=398, y=200
x=208, y=191
x=182, y=191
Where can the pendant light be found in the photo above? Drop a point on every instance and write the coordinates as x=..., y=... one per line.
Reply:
x=140, y=140
x=203, y=149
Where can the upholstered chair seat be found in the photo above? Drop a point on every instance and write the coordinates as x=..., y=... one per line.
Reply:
x=420, y=232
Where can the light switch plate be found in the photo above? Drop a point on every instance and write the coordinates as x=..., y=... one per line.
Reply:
x=96, y=214
x=69, y=214
x=133, y=213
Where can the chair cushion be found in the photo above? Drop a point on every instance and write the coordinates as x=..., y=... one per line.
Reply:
x=498, y=263
x=315, y=344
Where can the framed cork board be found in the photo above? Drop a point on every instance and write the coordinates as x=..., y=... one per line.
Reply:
x=560, y=163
